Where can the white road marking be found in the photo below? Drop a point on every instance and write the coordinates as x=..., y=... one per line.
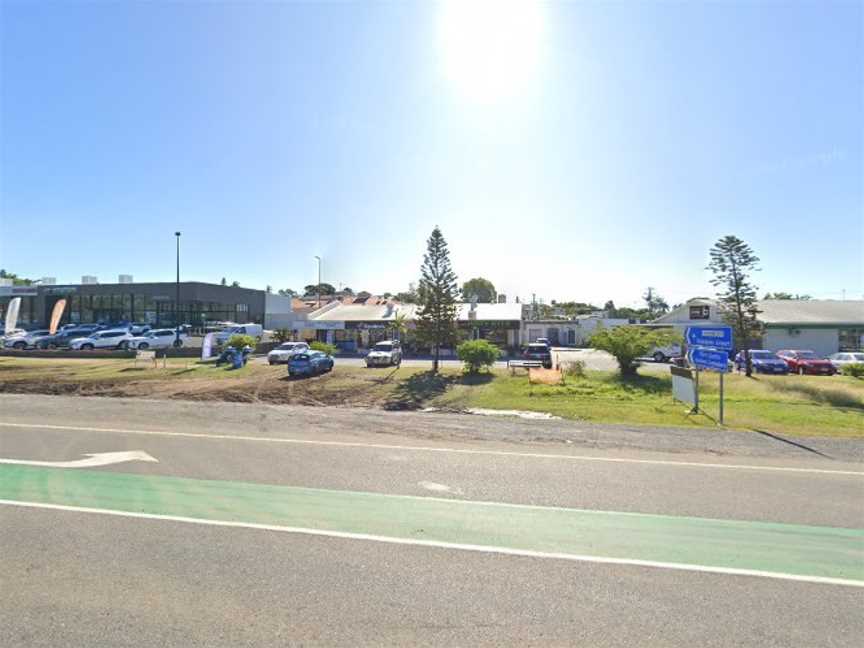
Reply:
x=92, y=460
x=823, y=580
x=388, y=446
x=439, y=488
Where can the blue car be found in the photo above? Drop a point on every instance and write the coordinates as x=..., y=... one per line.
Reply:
x=763, y=361
x=309, y=363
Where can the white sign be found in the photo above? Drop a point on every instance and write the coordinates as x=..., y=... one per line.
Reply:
x=683, y=386
x=207, y=346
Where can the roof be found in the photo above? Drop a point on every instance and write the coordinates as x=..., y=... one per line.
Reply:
x=339, y=312
x=811, y=311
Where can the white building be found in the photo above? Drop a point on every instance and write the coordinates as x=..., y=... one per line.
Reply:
x=571, y=332
x=821, y=325
x=824, y=326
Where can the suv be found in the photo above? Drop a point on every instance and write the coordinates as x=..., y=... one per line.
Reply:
x=282, y=354
x=158, y=339
x=807, y=362
x=25, y=340
x=116, y=339
x=385, y=354
x=538, y=351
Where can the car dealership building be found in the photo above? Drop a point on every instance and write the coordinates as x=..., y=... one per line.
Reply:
x=151, y=303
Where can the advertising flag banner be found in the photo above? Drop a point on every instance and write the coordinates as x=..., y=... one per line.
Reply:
x=12, y=315
x=56, y=314
x=207, y=346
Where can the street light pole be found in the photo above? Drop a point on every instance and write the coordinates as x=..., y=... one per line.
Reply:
x=177, y=296
x=319, y=280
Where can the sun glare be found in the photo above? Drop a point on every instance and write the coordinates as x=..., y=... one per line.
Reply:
x=490, y=49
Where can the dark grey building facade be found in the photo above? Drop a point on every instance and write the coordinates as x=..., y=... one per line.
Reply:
x=151, y=303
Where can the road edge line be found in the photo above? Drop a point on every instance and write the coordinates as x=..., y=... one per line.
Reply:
x=528, y=553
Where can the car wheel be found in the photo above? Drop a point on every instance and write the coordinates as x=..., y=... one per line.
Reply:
x=659, y=357
x=270, y=362
x=20, y=346
x=123, y=345
x=52, y=346
x=178, y=344
x=87, y=347
x=142, y=346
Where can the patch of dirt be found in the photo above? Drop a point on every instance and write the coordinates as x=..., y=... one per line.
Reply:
x=545, y=376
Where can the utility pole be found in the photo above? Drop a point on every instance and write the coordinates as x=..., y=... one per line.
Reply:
x=318, y=258
x=177, y=296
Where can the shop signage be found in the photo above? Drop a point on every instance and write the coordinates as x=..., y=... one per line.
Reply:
x=490, y=324
x=17, y=291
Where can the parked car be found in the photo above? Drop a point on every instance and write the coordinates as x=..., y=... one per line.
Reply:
x=138, y=329
x=763, y=362
x=64, y=337
x=543, y=341
x=309, y=363
x=111, y=339
x=283, y=353
x=806, y=362
x=255, y=330
x=385, y=354
x=538, y=351
x=840, y=360
x=156, y=339
x=25, y=339
x=667, y=353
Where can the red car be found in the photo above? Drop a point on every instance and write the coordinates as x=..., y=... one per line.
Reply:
x=807, y=362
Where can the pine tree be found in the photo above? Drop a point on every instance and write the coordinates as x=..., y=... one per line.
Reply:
x=436, y=319
x=732, y=262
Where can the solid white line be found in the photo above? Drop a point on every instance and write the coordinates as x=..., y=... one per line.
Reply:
x=91, y=461
x=823, y=580
x=387, y=446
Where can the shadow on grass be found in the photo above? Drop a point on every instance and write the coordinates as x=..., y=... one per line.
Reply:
x=639, y=382
x=416, y=390
x=133, y=369
x=833, y=397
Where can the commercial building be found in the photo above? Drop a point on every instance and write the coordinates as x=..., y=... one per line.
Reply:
x=357, y=326
x=567, y=332
x=824, y=326
x=152, y=303
x=821, y=325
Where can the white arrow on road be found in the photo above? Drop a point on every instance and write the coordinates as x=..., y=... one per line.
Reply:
x=92, y=460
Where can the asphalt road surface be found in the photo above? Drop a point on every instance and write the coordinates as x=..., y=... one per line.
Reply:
x=140, y=523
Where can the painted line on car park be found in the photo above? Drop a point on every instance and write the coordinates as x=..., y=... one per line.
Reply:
x=388, y=446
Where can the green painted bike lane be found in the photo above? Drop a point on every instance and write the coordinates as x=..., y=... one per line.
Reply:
x=811, y=551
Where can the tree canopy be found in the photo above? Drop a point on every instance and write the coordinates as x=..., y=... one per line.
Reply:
x=482, y=288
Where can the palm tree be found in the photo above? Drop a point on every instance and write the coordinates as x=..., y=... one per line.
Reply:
x=399, y=325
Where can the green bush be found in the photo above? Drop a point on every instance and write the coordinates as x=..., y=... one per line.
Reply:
x=627, y=343
x=855, y=370
x=240, y=341
x=476, y=354
x=329, y=349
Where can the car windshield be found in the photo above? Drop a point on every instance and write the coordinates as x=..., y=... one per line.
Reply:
x=807, y=355
x=857, y=357
x=383, y=347
x=300, y=357
x=287, y=346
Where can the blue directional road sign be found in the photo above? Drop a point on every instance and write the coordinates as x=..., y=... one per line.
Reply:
x=714, y=337
x=711, y=359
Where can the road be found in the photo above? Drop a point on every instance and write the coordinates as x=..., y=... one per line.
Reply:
x=244, y=525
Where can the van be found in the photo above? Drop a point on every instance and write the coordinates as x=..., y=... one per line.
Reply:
x=255, y=330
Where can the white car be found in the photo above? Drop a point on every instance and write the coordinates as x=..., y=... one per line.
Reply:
x=113, y=339
x=255, y=330
x=157, y=339
x=385, y=354
x=663, y=354
x=840, y=360
x=283, y=353
x=24, y=339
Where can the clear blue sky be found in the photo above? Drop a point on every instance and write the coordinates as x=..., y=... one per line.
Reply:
x=574, y=150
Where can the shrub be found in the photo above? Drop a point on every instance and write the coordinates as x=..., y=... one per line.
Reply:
x=575, y=368
x=282, y=335
x=329, y=349
x=240, y=341
x=476, y=354
x=855, y=370
x=627, y=343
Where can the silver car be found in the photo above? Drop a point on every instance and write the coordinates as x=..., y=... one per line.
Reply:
x=282, y=354
x=840, y=360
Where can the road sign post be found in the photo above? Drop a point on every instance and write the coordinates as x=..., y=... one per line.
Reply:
x=708, y=350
